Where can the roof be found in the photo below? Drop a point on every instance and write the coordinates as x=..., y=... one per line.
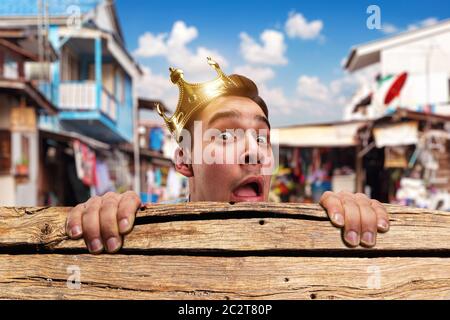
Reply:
x=369, y=53
x=26, y=8
x=154, y=156
x=25, y=42
x=18, y=50
x=33, y=94
x=148, y=104
x=406, y=114
x=67, y=136
x=14, y=16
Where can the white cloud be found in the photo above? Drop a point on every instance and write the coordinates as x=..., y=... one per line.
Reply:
x=157, y=86
x=389, y=28
x=271, y=51
x=276, y=100
x=257, y=74
x=174, y=47
x=298, y=27
x=151, y=45
x=423, y=23
x=312, y=88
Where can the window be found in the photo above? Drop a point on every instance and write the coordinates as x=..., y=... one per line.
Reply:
x=70, y=70
x=10, y=68
x=5, y=152
x=120, y=86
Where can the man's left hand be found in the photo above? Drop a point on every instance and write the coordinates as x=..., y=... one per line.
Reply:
x=360, y=216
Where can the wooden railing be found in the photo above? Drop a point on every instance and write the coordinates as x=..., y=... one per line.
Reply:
x=224, y=251
x=109, y=104
x=77, y=95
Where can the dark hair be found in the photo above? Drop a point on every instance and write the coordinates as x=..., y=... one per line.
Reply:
x=250, y=90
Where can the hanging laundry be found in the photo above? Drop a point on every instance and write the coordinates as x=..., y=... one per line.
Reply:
x=84, y=162
x=158, y=177
x=103, y=180
x=150, y=180
x=174, y=184
x=156, y=139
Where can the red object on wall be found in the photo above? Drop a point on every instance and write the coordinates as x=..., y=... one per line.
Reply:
x=395, y=88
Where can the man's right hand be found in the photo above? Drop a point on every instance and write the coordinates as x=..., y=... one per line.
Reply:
x=103, y=221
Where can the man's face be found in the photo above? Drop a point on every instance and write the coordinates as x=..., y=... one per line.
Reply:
x=234, y=146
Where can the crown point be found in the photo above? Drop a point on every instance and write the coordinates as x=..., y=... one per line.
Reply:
x=213, y=63
x=175, y=75
x=158, y=109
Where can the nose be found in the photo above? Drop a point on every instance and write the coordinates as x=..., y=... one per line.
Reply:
x=252, y=153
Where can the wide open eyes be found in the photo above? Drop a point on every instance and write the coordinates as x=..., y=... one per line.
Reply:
x=228, y=136
x=261, y=139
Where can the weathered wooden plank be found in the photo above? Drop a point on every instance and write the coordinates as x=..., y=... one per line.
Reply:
x=190, y=277
x=280, y=227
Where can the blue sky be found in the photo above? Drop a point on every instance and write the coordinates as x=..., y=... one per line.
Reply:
x=298, y=68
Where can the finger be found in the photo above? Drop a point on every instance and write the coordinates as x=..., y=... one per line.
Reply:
x=352, y=218
x=382, y=216
x=128, y=205
x=91, y=225
x=73, y=223
x=109, y=229
x=334, y=208
x=368, y=223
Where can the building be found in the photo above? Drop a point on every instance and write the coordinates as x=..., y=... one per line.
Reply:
x=92, y=80
x=159, y=180
x=411, y=71
x=405, y=146
x=21, y=105
x=84, y=70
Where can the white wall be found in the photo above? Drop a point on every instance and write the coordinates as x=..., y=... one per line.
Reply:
x=13, y=194
x=26, y=193
x=428, y=65
x=7, y=191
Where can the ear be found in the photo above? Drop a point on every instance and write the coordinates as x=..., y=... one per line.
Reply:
x=183, y=163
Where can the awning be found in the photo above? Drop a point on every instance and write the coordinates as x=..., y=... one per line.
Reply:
x=399, y=134
x=322, y=135
x=66, y=136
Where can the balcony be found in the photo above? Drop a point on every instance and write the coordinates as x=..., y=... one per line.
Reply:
x=86, y=109
x=82, y=96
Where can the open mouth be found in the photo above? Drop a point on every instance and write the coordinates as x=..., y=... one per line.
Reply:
x=249, y=188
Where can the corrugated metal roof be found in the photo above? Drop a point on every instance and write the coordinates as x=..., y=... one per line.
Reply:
x=55, y=7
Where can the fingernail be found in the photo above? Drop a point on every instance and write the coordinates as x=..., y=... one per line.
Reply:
x=95, y=245
x=352, y=238
x=338, y=219
x=123, y=225
x=112, y=244
x=383, y=224
x=75, y=231
x=368, y=238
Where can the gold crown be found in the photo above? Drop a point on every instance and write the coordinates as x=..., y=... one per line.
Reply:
x=194, y=96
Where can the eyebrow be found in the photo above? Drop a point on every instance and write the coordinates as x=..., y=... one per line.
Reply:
x=236, y=115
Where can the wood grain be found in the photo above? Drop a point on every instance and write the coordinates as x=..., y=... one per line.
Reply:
x=225, y=227
x=186, y=277
x=227, y=251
